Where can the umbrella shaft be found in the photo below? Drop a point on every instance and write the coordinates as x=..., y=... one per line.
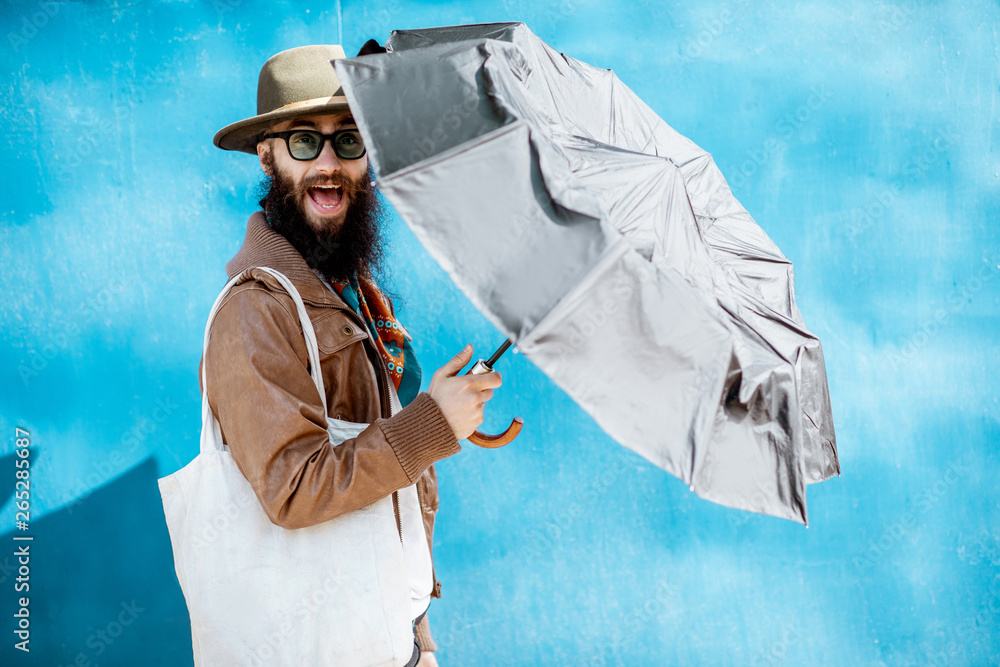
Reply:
x=496, y=355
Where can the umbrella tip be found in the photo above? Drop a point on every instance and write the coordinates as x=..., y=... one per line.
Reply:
x=691, y=487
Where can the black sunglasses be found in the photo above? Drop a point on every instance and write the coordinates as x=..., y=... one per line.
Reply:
x=308, y=144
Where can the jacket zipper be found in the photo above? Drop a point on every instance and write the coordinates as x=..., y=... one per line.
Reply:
x=399, y=521
x=385, y=403
x=386, y=407
x=435, y=586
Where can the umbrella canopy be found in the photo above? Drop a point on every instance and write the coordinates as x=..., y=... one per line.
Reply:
x=609, y=248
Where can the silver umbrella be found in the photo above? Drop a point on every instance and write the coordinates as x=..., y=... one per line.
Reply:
x=609, y=249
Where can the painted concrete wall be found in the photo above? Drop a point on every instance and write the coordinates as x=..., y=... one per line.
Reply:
x=861, y=136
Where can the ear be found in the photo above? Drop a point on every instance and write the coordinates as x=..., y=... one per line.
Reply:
x=262, y=154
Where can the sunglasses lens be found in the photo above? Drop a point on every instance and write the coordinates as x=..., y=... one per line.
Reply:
x=348, y=144
x=308, y=144
x=305, y=145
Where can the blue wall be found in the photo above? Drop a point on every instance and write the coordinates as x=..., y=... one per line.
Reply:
x=861, y=136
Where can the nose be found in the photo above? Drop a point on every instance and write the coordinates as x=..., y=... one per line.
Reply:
x=327, y=161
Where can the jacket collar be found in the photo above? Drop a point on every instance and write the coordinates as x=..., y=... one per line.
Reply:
x=263, y=246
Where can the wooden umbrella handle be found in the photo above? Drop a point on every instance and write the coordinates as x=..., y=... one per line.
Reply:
x=485, y=439
x=494, y=441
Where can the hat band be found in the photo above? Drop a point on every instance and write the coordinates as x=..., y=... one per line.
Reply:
x=311, y=103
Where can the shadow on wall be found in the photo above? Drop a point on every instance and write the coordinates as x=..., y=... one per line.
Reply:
x=102, y=584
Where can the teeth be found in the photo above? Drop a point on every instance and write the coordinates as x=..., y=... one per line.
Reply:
x=337, y=188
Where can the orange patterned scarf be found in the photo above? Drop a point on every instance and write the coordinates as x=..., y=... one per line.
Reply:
x=366, y=299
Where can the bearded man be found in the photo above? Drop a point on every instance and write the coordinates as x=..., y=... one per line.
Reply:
x=320, y=227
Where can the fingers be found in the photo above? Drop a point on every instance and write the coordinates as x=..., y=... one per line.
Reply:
x=484, y=381
x=456, y=363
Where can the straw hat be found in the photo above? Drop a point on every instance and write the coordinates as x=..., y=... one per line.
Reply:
x=293, y=83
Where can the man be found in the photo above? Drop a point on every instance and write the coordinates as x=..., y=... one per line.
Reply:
x=320, y=228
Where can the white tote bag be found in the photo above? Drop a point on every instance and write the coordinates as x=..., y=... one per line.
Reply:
x=333, y=594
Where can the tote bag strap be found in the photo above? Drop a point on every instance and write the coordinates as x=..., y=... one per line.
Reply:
x=211, y=434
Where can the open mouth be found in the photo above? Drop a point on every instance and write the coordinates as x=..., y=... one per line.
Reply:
x=327, y=198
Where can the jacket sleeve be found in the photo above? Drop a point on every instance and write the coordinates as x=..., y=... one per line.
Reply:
x=422, y=631
x=272, y=419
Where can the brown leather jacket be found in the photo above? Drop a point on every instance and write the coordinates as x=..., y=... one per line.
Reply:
x=271, y=416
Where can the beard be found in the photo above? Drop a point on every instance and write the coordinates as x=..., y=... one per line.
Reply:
x=355, y=247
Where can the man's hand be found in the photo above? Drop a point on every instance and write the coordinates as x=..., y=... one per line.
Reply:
x=461, y=397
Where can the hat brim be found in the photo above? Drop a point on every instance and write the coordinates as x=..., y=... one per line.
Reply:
x=243, y=135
